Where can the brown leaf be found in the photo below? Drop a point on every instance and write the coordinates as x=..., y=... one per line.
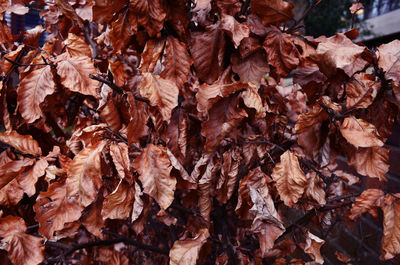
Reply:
x=23, y=143
x=32, y=91
x=360, y=133
x=361, y=90
x=103, y=10
x=391, y=227
x=367, y=202
x=112, y=257
x=272, y=11
x=137, y=127
x=151, y=54
x=54, y=208
x=389, y=61
x=74, y=73
x=154, y=167
x=11, y=169
x=314, y=190
x=117, y=69
x=84, y=174
x=119, y=204
x=76, y=46
x=237, y=31
x=281, y=51
x=176, y=62
x=162, y=94
x=207, y=49
x=252, y=99
x=339, y=52
x=123, y=28
x=91, y=218
x=290, y=179
x=224, y=116
x=28, y=178
x=308, y=119
x=177, y=134
x=120, y=157
x=229, y=175
x=313, y=245
x=372, y=162
x=22, y=248
x=252, y=68
x=266, y=223
x=151, y=15
x=187, y=251
x=110, y=116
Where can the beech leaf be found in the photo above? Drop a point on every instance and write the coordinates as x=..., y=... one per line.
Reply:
x=23, y=143
x=360, y=133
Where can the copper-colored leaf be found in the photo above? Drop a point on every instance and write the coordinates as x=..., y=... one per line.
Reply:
x=372, y=162
x=314, y=190
x=224, y=116
x=207, y=49
x=54, y=208
x=186, y=252
x=266, y=222
x=313, y=245
x=252, y=99
x=237, y=31
x=177, y=61
x=290, y=179
x=162, y=94
x=120, y=157
x=361, y=91
x=272, y=11
x=22, y=248
x=360, y=133
x=28, y=178
x=151, y=54
x=110, y=116
x=391, y=227
x=103, y=10
x=151, y=14
x=229, y=175
x=137, y=127
x=356, y=6
x=84, y=174
x=339, y=52
x=74, y=73
x=367, y=202
x=23, y=143
x=154, y=167
x=32, y=91
x=281, y=51
x=123, y=28
x=76, y=46
x=308, y=119
x=119, y=204
x=252, y=68
x=389, y=60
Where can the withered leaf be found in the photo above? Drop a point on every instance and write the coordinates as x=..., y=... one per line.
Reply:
x=123, y=28
x=151, y=13
x=23, y=143
x=368, y=202
x=361, y=90
x=177, y=61
x=372, y=162
x=74, y=73
x=162, y=94
x=207, y=50
x=360, y=133
x=313, y=245
x=22, y=248
x=76, y=46
x=187, y=251
x=54, y=208
x=391, y=227
x=252, y=68
x=237, y=31
x=272, y=11
x=154, y=167
x=290, y=178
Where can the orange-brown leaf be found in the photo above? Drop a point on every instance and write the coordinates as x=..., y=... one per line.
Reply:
x=76, y=46
x=313, y=245
x=361, y=90
x=154, y=167
x=272, y=11
x=32, y=91
x=23, y=143
x=360, y=133
x=368, y=202
x=151, y=14
x=372, y=162
x=391, y=227
x=22, y=248
x=74, y=73
x=162, y=94
x=237, y=31
x=290, y=178
x=187, y=251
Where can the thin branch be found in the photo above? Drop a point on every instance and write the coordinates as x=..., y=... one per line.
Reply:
x=123, y=139
x=297, y=22
x=345, y=196
x=90, y=40
x=93, y=244
x=21, y=64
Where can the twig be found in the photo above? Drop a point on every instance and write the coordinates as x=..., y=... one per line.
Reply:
x=21, y=64
x=345, y=196
x=90, y=40
x=137, y=244
x=119, y=136
x=313, y=5
x=93, y=244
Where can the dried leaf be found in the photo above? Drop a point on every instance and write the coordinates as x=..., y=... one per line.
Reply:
x=120, y=157
x=252, y=68
x=76, y=46
x=176, y=62
x=119, y=204
x=23, y=143
x=237, y=31
x=290, y=179
x=361, y=91
x=154, y=167
x=22, y=248
x=372, y=162
x=187, y=251
x=313, y=245
x=391, y=227
x=367, y=202
x=360, y=133
x=151, y=14
x=162, y=94
x=272, y=11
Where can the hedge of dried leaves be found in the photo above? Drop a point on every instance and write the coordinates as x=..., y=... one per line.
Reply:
x=156, y=132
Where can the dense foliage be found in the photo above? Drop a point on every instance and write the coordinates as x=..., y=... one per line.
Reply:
x=180, y=132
